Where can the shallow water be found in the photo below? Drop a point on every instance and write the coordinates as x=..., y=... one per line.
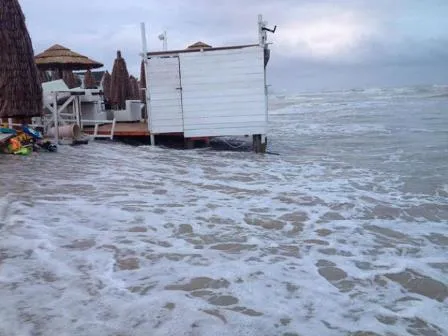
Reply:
x=344, y=233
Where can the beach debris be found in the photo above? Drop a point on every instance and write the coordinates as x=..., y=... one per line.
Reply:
x=23, y=141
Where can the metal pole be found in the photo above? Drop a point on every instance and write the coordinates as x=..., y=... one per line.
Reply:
x=260, y=30
x=147, y=93
x=165, y=41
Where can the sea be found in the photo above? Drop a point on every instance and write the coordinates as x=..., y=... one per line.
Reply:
x=341, y=229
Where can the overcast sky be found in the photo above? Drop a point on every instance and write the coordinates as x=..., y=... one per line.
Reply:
x=319, y=44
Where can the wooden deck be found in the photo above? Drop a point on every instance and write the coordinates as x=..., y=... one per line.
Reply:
x=122, y=129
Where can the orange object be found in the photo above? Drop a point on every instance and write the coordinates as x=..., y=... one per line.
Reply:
x=14, y=145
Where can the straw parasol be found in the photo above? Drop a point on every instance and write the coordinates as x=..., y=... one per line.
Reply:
x=106, y=85
x=69, y=79
x=142, y=82
x=89, y=81
x=43, y=76
x=199, y=45
x=142, y=92
x=120, y=88
x=20, y=89
x=134, y=88
x=61, y=58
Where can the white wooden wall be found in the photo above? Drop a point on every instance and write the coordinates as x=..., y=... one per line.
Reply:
x=165, y=103
x=223, y=92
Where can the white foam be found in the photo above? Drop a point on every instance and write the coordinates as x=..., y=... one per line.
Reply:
x=285, y=218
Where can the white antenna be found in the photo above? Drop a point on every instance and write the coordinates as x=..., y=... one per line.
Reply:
x=163, y=37
x=262, y=31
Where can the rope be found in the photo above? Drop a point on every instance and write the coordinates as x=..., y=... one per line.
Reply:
x=232, y=146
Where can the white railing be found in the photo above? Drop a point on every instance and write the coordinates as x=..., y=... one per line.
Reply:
x=95, y=130
x=11, y=124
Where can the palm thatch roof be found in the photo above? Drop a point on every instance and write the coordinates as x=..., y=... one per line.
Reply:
x=120, y=88
x=20, y=88
x=106, y=85
x=199, y=45
x=59, y=57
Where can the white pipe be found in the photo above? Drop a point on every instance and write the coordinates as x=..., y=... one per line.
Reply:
x=147, y=93
x=56, y=117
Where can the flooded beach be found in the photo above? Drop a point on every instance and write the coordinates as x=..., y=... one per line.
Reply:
x=343, y=233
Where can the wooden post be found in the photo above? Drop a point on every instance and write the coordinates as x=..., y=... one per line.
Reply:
x=259, y=143
x=189, y=143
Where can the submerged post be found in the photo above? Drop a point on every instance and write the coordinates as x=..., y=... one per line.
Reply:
x=259, y=140
x=147, y=94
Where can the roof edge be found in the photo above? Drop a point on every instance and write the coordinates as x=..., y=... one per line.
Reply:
x=180, y=51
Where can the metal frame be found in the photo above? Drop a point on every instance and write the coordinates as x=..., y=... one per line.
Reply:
x=57, y=113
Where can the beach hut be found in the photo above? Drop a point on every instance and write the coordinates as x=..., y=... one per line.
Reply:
x=205, y=91
x=20, y=89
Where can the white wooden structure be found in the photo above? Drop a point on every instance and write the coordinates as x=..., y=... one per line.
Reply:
x=79, y=106
x=209, y=92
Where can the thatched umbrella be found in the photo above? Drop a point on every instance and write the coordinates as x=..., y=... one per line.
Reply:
x=20, y=89
x=134, y=88
x=199, y=45
x=142, y=92
x=61, y=58
x=120, y=88
x=142, y=82
x=106, y=85
x=69, y=79
x=43, y=76
x=89, y=81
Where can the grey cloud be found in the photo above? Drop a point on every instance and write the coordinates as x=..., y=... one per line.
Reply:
x=370, y=37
